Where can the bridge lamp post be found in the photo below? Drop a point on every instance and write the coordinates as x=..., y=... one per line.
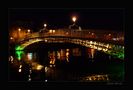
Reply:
x=74, y=19
x=45, y=25
x=28, y=30
x=19, y=29
x=19, y=33
x=11, y=38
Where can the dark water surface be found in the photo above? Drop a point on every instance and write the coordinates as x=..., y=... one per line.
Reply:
x=63, y=62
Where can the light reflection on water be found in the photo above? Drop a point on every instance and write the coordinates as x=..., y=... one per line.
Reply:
x=49, y=69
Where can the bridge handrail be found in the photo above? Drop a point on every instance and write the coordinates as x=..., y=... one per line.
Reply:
x=84, y=34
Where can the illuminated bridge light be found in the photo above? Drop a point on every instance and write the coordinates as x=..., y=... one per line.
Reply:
x=50, y=31
x=105, y=50
x=101, y=44
x=107, y=45
x=46, y=40
x=94, y=43
x=99, y=48
x=95, y=47
x=90, y=42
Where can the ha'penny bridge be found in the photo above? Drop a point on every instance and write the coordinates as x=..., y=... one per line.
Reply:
x=110, y=42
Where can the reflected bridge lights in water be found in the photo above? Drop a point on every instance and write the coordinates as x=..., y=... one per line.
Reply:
x=29, y=77
x=36, y=66
x=11, y=59
x=39, y=67
x=52, y=65
x=96, y=78
x=20, y=68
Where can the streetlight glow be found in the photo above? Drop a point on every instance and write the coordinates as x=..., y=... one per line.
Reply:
x=28, y=30
x=19, y=29
x=11, y=38
x=74, y=19
x=45, y=25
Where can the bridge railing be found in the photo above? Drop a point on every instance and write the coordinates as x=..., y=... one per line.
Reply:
x=69, y=33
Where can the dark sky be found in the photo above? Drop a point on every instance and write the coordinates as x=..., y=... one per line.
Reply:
x=110, y=19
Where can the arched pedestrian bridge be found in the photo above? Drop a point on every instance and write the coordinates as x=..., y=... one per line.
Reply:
x=108, y=42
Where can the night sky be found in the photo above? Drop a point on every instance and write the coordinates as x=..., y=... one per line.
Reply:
x=108, y=19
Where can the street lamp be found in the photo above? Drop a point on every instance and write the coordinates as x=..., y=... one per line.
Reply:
x=28, y=30
x=19, y=29
x=45, y=25
x=19, y=33
x=74, y=19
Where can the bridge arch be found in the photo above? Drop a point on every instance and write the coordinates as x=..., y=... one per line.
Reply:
x=112, y=49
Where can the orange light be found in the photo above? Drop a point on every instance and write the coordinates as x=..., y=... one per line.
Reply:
x=28, y=30
x=19, y=29
x=11, y=38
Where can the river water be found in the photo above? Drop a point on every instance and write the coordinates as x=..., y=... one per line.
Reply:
x=63, y=62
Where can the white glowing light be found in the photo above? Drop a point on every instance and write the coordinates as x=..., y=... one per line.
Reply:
x=74, y=19
x=45, y=25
